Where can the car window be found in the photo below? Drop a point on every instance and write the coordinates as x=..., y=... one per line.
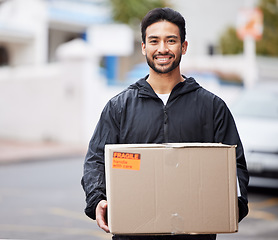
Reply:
x=257, y=103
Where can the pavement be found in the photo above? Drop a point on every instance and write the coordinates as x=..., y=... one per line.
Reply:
x=21, y=151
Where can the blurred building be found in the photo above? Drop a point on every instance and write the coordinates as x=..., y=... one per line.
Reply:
x=206, y=21
x=31, y=30
x=49, y=77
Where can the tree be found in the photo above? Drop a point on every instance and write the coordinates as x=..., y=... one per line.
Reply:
x=132, y=11
x=230, y=43
x=268, y=45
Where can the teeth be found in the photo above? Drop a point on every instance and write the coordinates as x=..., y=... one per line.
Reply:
x=163, y=59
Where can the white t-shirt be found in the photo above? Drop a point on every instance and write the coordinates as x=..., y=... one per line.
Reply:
x=163, y=97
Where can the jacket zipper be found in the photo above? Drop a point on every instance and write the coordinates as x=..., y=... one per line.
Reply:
x=165, y=125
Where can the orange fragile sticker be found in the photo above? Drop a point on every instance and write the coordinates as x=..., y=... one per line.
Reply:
x=130, y=161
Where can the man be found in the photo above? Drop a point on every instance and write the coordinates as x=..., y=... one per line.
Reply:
x=162, y=107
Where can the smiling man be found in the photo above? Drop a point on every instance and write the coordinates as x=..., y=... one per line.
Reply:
x=162, y=107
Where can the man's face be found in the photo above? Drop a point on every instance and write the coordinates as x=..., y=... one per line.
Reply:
x=163, y=48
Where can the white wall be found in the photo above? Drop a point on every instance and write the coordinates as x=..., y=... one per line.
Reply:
x=58, y=102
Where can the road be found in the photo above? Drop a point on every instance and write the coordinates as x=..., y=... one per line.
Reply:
x=44, y=200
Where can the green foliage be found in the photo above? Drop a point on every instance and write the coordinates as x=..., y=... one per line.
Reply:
x=268, y=45
x=230, y=43
x=132, y=11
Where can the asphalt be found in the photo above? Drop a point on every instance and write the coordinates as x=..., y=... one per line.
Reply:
x=21, y=151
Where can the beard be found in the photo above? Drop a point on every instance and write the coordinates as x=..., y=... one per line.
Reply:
x=163, y=69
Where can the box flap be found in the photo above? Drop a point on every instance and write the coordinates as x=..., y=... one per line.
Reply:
x=198, y=145
x=171, y=145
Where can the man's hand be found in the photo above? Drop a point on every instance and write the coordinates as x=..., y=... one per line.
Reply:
x=101, y=215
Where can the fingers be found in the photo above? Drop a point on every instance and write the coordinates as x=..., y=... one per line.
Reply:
x=101, y=215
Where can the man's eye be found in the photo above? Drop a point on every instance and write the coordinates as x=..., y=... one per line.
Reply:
x=171, y=40
x=153, y=41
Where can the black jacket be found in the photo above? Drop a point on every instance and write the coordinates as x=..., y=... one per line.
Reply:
x=138, y=115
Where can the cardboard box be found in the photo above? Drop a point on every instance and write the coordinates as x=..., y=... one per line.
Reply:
x=171, y=188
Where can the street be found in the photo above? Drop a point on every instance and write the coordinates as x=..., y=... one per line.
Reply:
x=44, y=200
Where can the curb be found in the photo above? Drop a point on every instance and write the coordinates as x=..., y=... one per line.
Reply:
x=16, y=152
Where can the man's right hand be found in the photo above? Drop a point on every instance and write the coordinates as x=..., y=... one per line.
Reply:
x=101, y=215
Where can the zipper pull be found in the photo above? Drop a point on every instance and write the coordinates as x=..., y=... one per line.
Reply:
x=165, y=115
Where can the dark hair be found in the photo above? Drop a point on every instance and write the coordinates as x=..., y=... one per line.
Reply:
x=160, y=14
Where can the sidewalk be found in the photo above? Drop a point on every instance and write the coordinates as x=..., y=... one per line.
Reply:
x=16, y=151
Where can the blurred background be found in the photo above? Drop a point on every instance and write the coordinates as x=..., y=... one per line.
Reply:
x=61, y=60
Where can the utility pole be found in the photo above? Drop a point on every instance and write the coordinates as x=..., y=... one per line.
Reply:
x=249, y=30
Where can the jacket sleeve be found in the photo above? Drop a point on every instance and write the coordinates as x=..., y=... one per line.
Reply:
x=93, y=180
x=225, y=131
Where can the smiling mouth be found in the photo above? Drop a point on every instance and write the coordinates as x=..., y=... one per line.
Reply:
x=163, y=59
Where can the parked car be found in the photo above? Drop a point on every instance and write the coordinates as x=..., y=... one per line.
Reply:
x=256, y=116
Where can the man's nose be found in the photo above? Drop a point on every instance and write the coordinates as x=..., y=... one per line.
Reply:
x=163, y=47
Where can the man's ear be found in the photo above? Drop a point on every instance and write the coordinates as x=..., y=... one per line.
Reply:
x=144, y=49
x=184, y=47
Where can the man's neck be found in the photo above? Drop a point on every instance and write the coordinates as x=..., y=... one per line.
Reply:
x=164, y=83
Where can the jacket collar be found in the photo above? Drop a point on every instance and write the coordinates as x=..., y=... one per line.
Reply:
x=145, y=89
